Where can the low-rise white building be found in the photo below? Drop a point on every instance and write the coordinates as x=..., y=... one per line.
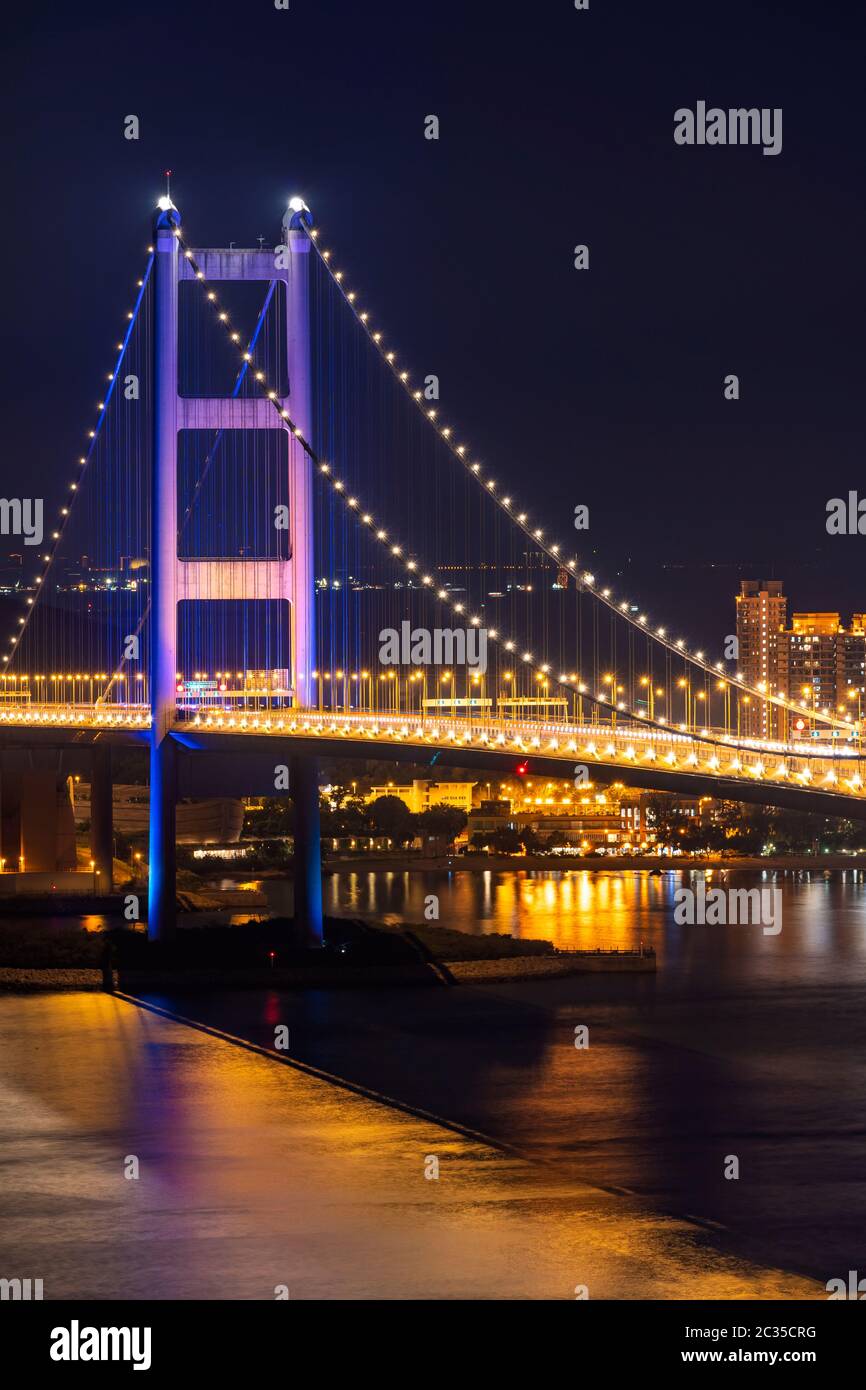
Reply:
x=421, y=795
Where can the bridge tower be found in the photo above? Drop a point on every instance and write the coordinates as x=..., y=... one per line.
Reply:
x=174, y=579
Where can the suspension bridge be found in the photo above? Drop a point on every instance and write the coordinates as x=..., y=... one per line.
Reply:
x=274, y=547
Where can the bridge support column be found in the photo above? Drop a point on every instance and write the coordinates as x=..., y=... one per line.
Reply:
x=39, y=820
x=10, y=804
x=162, y=866
x=102, y=815
x=304, y=787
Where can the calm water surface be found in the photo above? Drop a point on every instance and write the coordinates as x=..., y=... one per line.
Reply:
x=742, y=1044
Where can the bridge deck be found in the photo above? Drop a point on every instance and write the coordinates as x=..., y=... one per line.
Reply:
x=725, y=766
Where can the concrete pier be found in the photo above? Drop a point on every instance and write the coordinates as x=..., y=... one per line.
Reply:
x=37, y=828
x=102, y=816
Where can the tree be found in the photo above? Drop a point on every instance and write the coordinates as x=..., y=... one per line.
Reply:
x=348, y=819
x=442, y=823
x=277, y=817
x=506, y=841
x=661, y=818
x=391, y=817
x=555, y=840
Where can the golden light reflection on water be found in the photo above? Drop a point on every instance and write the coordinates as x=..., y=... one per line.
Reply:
x=584, y=908
x=577, y=908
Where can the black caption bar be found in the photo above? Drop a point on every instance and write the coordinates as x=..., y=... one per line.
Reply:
x=66, y=1339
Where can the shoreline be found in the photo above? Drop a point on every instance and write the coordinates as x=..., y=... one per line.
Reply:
x=516, y=969
x=473, y=863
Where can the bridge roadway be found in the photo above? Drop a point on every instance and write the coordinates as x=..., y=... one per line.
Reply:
x=822, y=778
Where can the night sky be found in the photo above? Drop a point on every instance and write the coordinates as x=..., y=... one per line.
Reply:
x=602, y=387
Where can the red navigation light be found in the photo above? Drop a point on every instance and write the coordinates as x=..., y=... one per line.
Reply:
x=521, y=769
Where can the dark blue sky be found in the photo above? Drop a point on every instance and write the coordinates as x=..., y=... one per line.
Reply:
x=556, y=128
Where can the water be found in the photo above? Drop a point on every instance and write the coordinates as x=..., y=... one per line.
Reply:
x=255, y=1175
x=743, y=1045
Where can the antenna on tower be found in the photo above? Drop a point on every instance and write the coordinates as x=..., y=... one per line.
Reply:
x=164, y=203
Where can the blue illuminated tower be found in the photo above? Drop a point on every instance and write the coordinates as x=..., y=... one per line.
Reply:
x=174, y=579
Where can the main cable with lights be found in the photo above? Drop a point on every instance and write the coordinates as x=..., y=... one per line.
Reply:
x=586, y=580
x=65, y=512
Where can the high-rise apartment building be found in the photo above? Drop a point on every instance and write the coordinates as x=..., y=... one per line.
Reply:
x=761, y=613
x=853, y=664
x=823, y=664
x=808, y=659
x=816, y=662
